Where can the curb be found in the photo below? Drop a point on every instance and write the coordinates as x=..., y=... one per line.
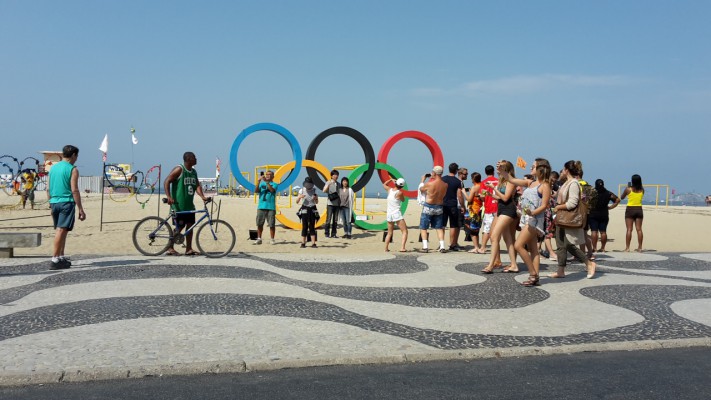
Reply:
x=75, y=374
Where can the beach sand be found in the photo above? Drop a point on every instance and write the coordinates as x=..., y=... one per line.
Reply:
x=666, y=229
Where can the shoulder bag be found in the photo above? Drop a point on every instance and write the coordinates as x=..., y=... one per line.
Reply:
x=570, y=218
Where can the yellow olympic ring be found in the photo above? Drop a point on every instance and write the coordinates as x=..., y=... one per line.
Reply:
x=277, y=178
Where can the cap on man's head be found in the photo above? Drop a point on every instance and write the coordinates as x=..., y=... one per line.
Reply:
x=400, y=182
x=438, y=170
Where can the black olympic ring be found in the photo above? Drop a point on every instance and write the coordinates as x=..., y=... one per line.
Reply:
x=359, y=138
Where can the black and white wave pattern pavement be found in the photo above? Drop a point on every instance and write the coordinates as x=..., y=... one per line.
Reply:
x=131, y=310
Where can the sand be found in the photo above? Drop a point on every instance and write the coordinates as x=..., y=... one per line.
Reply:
x=666, y=229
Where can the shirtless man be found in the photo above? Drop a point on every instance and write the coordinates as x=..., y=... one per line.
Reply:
x=432, y=210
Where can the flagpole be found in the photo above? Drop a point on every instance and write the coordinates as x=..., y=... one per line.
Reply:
x=132, y=144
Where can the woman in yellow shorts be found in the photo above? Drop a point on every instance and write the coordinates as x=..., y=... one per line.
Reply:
x=633, y=213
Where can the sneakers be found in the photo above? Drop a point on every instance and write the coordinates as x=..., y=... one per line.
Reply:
x=303, y=245
x=442, y=250
x=61, y=264
x=455, y=248
x=258, y=241
x=272, y=241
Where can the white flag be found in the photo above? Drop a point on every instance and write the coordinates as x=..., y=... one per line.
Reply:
x=105, y=144
x=133, y=138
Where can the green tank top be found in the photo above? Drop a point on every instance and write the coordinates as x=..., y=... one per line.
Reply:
x=183, y=190
x=60, y=177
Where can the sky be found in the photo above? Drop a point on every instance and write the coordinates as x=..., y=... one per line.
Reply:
x=623, y=86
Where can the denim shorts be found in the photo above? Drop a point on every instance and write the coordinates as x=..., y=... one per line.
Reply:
x=63, y=215
x=432, y=216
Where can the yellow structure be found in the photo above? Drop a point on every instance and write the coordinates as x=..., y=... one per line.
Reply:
x=621, y=187
x=277, y=178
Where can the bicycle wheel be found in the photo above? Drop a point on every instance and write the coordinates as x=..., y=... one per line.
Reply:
x=215, y=239
x=152, y=236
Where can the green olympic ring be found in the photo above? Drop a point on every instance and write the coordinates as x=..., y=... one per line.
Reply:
x=381, y=166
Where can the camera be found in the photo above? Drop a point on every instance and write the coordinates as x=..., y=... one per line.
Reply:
x=428, y=176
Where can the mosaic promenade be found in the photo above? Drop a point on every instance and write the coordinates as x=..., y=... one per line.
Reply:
x=133, y=316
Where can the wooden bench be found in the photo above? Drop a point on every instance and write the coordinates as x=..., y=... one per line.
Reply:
x=10, y=240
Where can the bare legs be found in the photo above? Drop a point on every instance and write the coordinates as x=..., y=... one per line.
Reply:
x=403, y=228
x=528, y=239
x=637, y=223
x=60, y=240
x=501, y=228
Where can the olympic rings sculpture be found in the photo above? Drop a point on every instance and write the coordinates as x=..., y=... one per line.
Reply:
x=315, y=170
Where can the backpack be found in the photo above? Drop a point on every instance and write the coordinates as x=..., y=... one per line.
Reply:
x=588, y=195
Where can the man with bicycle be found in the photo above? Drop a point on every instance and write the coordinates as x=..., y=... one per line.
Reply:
x=180, y=187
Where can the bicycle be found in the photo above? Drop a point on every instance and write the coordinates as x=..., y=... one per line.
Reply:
x=152, y=236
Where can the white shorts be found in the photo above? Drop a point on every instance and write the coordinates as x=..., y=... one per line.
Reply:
x=394, y=216
x=486, y=222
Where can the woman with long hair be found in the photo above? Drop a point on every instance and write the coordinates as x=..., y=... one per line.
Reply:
x=506, y=216
x=569, y=239
x=475, y=203
x=633, y=212
x=600, y=214
x=345, y=194
x=534, y=203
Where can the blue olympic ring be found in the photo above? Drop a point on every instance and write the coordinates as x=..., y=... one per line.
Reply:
x=266, y=126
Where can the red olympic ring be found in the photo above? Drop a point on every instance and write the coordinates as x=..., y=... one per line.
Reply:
x=435, y=151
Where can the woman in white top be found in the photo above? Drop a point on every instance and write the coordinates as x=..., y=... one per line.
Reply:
x=345, y=193
x=394, y=215
x=534, y=203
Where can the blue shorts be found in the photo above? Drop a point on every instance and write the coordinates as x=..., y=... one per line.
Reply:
x=432, y=216
x=63, y=215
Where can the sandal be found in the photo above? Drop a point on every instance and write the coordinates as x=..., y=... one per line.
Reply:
x=192, y=253
x=488, y=270
x=510, y=271
x=172, y=252
x=532, y=281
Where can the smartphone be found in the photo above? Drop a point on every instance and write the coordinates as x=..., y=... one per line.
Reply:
x=629, y=184
x=427, y=176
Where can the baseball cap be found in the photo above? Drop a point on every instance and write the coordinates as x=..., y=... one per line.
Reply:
x=438, y=170
x=400, y=182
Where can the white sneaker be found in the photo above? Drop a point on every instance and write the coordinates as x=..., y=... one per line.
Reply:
x=272, y=241
x=258, y=241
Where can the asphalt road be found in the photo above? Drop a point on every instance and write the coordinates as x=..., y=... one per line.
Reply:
x=659, y=374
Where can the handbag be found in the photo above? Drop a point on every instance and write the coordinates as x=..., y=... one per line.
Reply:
x=574, y=218
x=333, y=196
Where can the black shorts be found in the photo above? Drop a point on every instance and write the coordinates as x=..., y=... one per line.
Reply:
x=508, y=209
x=598, y=224
x=185, y=219
x=634, y=212
x=451, y=216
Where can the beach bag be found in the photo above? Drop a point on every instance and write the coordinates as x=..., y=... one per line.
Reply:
x=574, y=218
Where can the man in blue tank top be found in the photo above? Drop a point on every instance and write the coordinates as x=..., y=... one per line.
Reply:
x=64, y=198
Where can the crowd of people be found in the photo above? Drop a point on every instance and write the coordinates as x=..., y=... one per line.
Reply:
x=521, y=212
x=526, y=213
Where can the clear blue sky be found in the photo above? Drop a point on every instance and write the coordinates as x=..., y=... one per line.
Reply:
x=624, y=86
